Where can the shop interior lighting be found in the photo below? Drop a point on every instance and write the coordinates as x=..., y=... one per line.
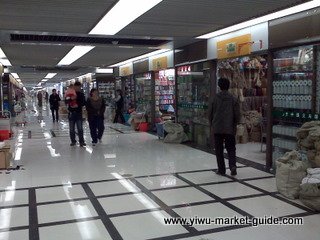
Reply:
x=75, y=53
x=289, y=11
x=140, y=57
x=121, y=15
x=104, y=70
x=3, y=59
x=50, y=75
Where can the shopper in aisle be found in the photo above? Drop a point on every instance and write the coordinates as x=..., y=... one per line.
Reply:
x=46, y=96
x=75, y=115
x=96, y=107
x=39, y=97
x=119, y=104
x=54, y=100
x=224, y=115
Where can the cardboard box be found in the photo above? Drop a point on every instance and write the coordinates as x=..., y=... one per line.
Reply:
x=5, y=157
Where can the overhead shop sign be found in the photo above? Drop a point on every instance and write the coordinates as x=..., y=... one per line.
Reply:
x=239, y=43
x=161, y=61
x=126, y=70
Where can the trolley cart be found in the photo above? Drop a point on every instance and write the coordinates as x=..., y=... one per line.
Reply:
x=5, y=125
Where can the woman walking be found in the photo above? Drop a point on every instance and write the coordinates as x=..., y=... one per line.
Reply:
x=95, y=108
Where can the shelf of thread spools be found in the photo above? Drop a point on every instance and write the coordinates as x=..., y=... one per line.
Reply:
x=283, y=130
x=292, y=101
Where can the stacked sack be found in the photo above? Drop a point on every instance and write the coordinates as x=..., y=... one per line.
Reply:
x=309, y=140
x=253, y=121
x=310, y=189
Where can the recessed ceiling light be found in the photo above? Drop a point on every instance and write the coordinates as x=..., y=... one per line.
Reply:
x=15, y=75
x=266, y=18
x=75, y=53
x=122, y=14
x=104, y=70
x=50, y=75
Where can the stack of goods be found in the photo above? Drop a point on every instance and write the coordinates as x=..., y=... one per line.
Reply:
x=309, y=141
x=253, y=124
x=294, y=178
x=5, y=155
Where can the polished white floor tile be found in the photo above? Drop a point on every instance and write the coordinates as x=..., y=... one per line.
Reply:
x=213, y=210
x=14, y=217
x=65, y=211
x=15, y=235
x=145, y=226
x=204, y=177
x=12, y=197
x=229, y=190
x=268, y=184
x=266, y=206
x=113, y=187
x=181, y=196
x=87, y=230
x=296, y=201
x=249, y=172
x=252, y=152
x=119, y=204
x=165, y=181
x=60, y=193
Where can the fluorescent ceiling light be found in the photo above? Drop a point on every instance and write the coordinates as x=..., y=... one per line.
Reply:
x=50, y=75
x=289, y=11
x=140, y=57
x=16, y=76
x=44, y=80
x=75, y=53
x=122, y=14
x=3, y=59
x=104, y=70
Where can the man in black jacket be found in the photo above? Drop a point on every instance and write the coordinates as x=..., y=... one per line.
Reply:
x=75, y=116
x=54, y=100
x=224, y=115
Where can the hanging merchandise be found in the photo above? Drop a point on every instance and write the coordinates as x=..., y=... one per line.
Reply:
x=248, y=83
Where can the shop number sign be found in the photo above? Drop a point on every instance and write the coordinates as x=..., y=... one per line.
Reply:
x=197, y=106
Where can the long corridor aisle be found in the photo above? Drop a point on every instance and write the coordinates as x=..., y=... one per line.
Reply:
x=124, y=187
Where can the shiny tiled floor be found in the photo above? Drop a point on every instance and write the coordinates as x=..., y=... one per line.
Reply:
x=124, y=187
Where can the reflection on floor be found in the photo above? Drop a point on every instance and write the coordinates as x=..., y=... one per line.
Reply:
x=252, y=151
x=126, y=186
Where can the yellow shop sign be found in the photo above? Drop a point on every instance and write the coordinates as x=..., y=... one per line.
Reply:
x=160, y=63
x=234, y=47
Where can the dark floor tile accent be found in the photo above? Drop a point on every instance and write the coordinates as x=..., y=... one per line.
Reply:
x=52, y=133
x=224, y=202
x=14, y=229
x=33, y=215
x=62, y=201
x=51, y=224
x=194, y=204
x=116, y=129
x=14, y=206
x=169, y=188
x=134, y=212
x=161, y=204
x=103, y=215
x=245, y=197
x=255, y=178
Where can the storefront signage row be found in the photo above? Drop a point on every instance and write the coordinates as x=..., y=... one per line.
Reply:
x=126, y=70
x=193, y=106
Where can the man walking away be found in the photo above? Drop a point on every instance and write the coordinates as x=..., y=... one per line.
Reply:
x=39, y=97
x=54, y=100
x=95, y=108
x=75, y=116
x=224, y=116
x=119, y=107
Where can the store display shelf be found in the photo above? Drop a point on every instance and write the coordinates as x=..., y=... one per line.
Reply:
x=286, y=149
x=285, y=136
x=293, y=71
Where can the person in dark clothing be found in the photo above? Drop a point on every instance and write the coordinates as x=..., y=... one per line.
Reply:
x=224, y=115
x=95, y=108
x=119, y=107
x=46, y=97
x=39, y=97
x=54, y=100
x=75, y=116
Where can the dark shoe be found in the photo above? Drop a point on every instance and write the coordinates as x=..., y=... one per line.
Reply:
x=233, y=171
x=220, y=173
x=72, y=144
x=83, y=144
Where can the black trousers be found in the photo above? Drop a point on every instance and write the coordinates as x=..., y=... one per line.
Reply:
x=55, y=114
x=230, y=144
x=119, y=115
x=96, y=128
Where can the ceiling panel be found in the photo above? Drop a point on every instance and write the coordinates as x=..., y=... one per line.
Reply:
x=35, y=55
x=64, y=16
x=31, y=78
x=189, y=18
x=106, y=56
